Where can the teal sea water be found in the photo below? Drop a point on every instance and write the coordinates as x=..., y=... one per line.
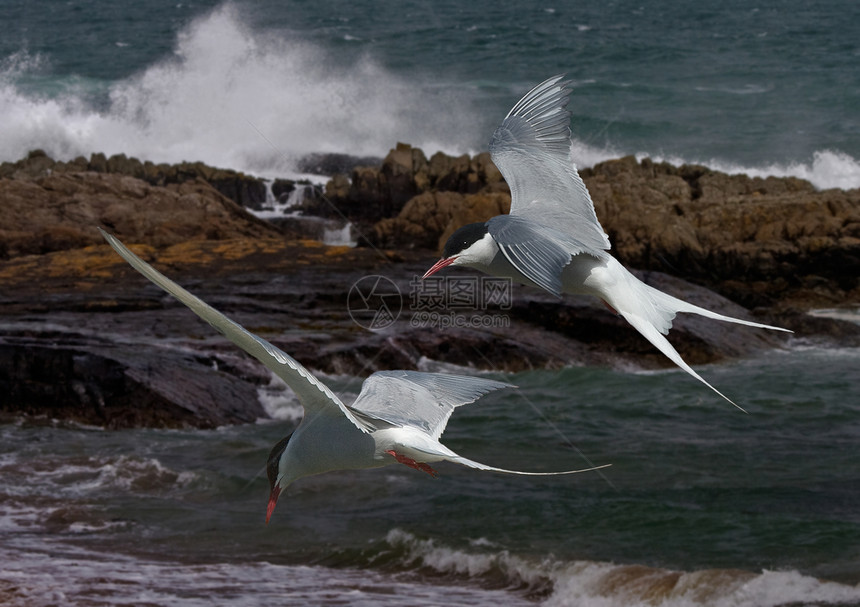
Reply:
x=703, y=505
x=767, y=89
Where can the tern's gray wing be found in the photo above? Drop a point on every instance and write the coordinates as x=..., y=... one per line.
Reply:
x=420, y=400
x=531, y=148
x=314, y=395
x=538, y=252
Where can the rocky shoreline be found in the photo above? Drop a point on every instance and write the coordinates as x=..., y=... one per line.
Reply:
x=86, y=339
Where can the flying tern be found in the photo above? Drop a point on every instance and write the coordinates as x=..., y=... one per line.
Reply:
x=552, y=238
x=398, y=417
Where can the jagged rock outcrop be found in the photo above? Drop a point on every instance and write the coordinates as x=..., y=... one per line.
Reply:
x=101, y=384
x=242, y=189
x=334, y=163
x=61, y=211
x=86, y=338
x=374, y=193
x=756, y=240
x=432, y=216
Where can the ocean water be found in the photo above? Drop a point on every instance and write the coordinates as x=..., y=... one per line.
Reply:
x=703, y=505
x=769, y=89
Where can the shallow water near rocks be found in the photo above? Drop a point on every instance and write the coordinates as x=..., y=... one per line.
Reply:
x=702, y=505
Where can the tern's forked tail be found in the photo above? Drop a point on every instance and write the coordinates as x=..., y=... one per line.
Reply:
x=651, y=312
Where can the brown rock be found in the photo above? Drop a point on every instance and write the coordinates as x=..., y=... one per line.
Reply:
x=243, y=189
x=372, y=193
x=475, y=208
x=456, y=174
x=62, y=211
x=463, y=174
x=731, y=230
x=756, y=240
x=421, y=219
x=397, y=176
x=98, y=163
x=375, y=194
x=428, y=219
x=337, y=187
x=123, y=165
x=35, y=164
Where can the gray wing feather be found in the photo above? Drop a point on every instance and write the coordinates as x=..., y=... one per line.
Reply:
x=531, y=148
x=314, y=395
x=420, y=400
x=538, y=252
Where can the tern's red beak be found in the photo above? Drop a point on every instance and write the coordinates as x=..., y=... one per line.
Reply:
x=273, y=500
x=442, y=263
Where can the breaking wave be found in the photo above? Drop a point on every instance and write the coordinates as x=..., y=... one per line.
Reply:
x=236, y=96
x=232, y=97
x=600, y=584
x=826, y=169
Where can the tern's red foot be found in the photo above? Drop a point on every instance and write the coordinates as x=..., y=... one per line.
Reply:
x=408, y=461
x=611, y=309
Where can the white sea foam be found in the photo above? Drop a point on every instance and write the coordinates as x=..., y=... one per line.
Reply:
x=603, y=584
x=339, y=236
x=78, y=476
x=131, y=474
x=238, y=97
x=826, y=169
x=234, y=97
x=52, y=574
x=427, y=553
x=49, y=572
x=280, y=403
x=849, y=314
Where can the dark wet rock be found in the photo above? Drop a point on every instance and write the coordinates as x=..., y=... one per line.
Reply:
x=101, y=384
x=87, y=338
x=333, y=164
x=282, y=188
x=311, y=227
x=818, y=327
x=87, y=305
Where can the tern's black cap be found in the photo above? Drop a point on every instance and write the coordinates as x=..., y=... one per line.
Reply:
x=464, y=238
